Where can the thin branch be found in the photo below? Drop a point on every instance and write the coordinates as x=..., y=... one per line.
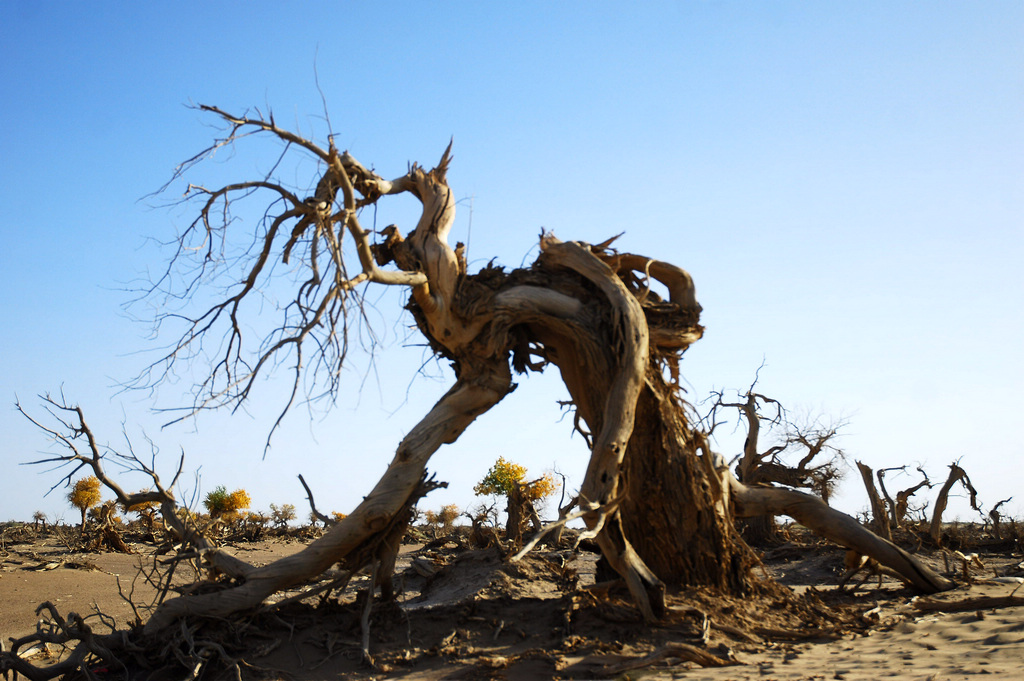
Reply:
x=312, y=506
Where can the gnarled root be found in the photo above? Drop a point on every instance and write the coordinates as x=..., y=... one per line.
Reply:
x=644, y=586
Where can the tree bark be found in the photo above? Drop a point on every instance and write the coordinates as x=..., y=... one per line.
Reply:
x=669, y=525
x=672, y=513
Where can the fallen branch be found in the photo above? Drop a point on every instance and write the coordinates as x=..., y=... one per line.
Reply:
x=823, y=520
x=681, y=651
x=967, y=604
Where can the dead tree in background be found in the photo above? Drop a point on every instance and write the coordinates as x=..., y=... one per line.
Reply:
x=879, y=511
x=900, y=506
x=956, y=474
x=819, y=465
x=996, y=517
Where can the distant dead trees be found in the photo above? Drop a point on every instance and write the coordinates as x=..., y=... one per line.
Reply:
x=39, y=518
x=889, y=515
x=900, y=508
x=996, y=518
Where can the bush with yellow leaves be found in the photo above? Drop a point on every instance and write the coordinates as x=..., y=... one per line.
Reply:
x=508, y=479
x=505, y=477
x=226, y=506
x=440, y=522
x=84, y=495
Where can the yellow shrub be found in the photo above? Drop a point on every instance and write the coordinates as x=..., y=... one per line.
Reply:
x=85, y=494
x=504, y=476
x=221, y=504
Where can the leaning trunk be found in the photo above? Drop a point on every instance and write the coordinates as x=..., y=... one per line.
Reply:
x=481, y=386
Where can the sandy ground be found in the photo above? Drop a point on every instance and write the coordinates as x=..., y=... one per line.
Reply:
x=911, y=645
x=480, y=618
x=86, y=582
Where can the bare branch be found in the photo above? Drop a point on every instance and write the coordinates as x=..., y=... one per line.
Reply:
x=308, y=235
x=312, y=506
x=956, y=474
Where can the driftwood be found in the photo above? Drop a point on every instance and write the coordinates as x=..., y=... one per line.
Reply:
x=680, y=651
x=968, y=604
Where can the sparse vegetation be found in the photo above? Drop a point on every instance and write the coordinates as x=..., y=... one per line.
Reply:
x=282, y=515
x=440, y=523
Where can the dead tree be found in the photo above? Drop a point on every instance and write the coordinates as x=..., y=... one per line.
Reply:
x=589, y=310
x=996, y=517
x=879, y=511
x=900, y=506
x=818, y=469
x=189, y=544
x=956, y=474
x=657, y=501
x=81, y=449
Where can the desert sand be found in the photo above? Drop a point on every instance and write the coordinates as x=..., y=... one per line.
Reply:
x=467, y=614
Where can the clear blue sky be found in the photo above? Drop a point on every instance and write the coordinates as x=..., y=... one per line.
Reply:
x=845, y=182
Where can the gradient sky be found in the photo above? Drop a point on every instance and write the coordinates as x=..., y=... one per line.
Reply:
x=844, y=181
